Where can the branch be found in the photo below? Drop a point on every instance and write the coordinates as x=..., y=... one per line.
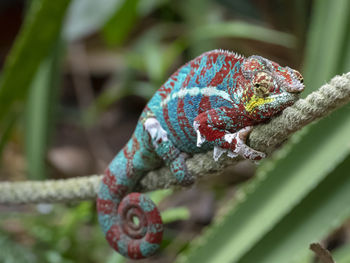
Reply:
x=264, y=138
x=323, y=254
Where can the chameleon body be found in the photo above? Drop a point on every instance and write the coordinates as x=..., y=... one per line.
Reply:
x=212, y=102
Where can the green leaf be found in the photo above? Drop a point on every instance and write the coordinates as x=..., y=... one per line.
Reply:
x=38, y=34
x=158, y=196
x=174, y=214
x=119, y=26
x=87, y=16
x=342, y=254
x=325, y=46
x=8, y=124
x=171, y=214
x=244, y=30
x=39, y=115
x=116, y=258
x=322, y=211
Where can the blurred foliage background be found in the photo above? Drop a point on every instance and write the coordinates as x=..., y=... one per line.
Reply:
x=75, y=74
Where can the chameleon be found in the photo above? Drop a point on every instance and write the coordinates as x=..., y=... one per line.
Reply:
x=210, y=103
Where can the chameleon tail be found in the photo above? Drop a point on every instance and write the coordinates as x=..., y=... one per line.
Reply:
x=131, y=222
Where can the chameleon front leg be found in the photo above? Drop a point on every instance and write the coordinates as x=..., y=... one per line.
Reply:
x=165, y=149
x=216, y=125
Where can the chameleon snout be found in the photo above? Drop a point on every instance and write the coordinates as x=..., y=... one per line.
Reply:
x=295, y=88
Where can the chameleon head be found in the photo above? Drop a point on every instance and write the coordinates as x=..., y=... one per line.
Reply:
x=268, y=88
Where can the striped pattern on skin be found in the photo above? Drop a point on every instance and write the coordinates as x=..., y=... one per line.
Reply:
x=212, y=102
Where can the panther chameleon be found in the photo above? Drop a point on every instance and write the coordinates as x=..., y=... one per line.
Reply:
x=210, y=103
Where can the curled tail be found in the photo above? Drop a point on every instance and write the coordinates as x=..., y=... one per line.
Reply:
x=130, y=221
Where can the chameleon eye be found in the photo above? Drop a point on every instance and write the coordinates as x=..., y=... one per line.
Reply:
x=261, y=90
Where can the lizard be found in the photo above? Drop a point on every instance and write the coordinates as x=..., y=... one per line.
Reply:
x=210, y=103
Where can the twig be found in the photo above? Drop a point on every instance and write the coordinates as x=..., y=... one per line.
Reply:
x=323, y=254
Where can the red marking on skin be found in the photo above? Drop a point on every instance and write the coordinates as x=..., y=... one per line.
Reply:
x=288, y=78
x=154, y=214
x=105, y=206
x=257, y=158
x=129, y=155
x=165, y=90
x=202, y=73
x=225, y=69
x=213, y=57
x=183, y=121
x=194, y=67
x=285, y=74
x=134, y=198
x=210, y=133
x=195, y=63
x=154, y=238
x=116, y=190
x=119, y=190
x=253, y=65
x=204, y=104
x=108, y=179
x=187, y=79
x=230, y=146
x=113, y=235
x=134, y=250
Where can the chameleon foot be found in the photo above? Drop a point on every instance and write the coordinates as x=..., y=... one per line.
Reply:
x=241, y=148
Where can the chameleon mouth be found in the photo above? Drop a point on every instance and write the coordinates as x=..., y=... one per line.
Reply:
x=295, y=88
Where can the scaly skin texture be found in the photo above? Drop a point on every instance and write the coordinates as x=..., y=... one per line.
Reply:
x=212, y=102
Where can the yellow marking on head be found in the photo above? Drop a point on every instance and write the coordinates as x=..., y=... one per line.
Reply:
x=255, y=102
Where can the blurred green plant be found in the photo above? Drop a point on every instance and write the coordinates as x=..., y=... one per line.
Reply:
x=65, y=234
x=38, y=35
x=342, y=255
x=41, y=105
x=11, y=252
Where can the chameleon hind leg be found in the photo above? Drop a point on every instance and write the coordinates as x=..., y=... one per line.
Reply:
x=165, y=149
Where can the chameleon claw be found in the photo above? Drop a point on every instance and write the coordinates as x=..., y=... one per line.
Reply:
x=230, y=137
x=200, y=138
x=232, y=154
x=218, y=152
x=241, y=148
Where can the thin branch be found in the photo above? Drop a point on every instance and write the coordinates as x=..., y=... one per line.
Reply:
x=264, y=138
x=323, y=254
